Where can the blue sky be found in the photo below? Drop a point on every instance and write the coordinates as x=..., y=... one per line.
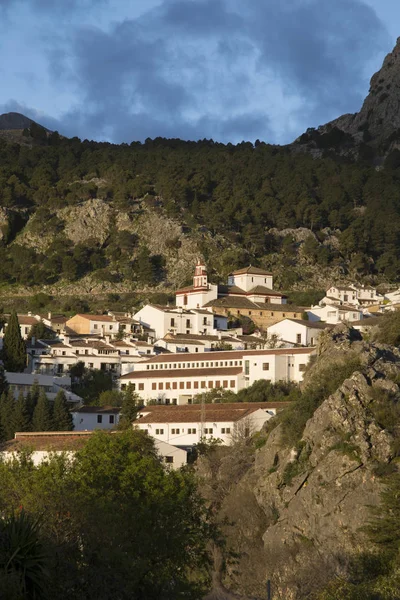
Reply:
x=231, y=70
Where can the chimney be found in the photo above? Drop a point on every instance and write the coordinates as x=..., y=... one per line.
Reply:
x=49, y=316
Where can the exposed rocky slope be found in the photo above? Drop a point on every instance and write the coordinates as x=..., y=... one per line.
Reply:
x=374, y=131
x=294, y=515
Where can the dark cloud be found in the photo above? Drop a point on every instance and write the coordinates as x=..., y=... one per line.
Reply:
x=224, y=69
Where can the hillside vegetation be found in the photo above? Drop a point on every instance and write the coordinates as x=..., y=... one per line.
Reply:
x=138, y=215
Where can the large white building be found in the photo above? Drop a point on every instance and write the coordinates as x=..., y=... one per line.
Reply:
x=353, y=295
x=164, y=320
x=334, y=313
x=89, y=418
x=177, y=378
x=189, y=425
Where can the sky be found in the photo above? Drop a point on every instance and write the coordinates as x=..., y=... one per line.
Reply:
x=230, y=70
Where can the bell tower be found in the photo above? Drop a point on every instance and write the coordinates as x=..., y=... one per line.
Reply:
x=200, y=276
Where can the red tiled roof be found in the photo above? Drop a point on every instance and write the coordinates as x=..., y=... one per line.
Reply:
x=106, y=318
x=171, y=373
x=251, y=271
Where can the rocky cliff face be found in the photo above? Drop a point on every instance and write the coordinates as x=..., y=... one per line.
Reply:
x=375, y=127
x=296, y=514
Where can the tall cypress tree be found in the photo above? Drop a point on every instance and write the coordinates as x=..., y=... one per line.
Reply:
x=42, y=419
x=3, y=381
x=20, y=416
x=7, y=403
x=62, y=418
x=32, y=398
x=14, y=350
x=130, y=407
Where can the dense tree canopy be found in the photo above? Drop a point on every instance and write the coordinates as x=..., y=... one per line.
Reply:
x=240, y=192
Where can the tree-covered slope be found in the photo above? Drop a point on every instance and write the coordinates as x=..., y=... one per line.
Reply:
x=70, y=208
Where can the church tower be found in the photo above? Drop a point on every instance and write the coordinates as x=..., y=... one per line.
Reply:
x=200, y=276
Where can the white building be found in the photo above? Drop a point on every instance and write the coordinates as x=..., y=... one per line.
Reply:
x=23, y=382
x=112, y=356
x=44, y=444
x=25, y=324
x=297, y=331
x=189, y=425
x=333, y=313
x=89, y=418
x=352, y=295
x=198, y=294
x=177, y=378
x=199, y=343
x=164, y=319
x=86, y=324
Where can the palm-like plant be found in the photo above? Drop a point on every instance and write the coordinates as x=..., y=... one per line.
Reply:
x=22, y=556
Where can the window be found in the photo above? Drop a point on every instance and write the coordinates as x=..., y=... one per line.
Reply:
x=210, y=384
x=161, y=385
x=110, y=327
x=225, y=430
x=196, y=385
x=217, y=384
x=246, y=367
x=232, y=384
x=111, y=419
x=153, y=386
x=265, y=367
x=188, y=385
x=168, y=385
x=174, y=385
x=63, y=353
x=203, y=384
x=86, y=352
x=302, y=368
x=188, y=323
x=208, y=430
x=172, y=322
x=99, y=418
x=141, y=386
x=169, y=459
x=95, y=326
x=175, y=431
x=191, y=431
x=181, y=385
x=224, y=384
x=298, y=338
x=159, y=431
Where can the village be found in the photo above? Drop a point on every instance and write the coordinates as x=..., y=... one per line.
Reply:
x=217, y=338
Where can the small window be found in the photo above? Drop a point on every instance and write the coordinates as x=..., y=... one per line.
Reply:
x=175, y=431
x=159, y=431
x=196, y=385
x=298, y=338
x=208, y=430
x=99, y=418
x=153, y=386
x=188, y=385
x=168, y=385
x=224, y=384
x=111, y=419
x=203, y=384
x=232, y=383
x=95, y=326
x=169, y=459
x=161, y=385
x=191, y=431
x=141, y=386
x=174, y=385
x=265, y=367
x=225, y=430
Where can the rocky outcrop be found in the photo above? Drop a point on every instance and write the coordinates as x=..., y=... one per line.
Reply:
x=296, y=514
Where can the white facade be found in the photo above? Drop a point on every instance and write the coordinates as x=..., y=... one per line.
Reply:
x=333, y=314
x=177, y=378
x=353, y=295
x=89, y=418
x=198, y=294
x=227, y=422
x=251, y=279
x=177, y=320
x=173, y=457
x=296, y=331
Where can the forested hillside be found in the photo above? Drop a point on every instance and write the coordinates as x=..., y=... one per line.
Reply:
x=72, y=208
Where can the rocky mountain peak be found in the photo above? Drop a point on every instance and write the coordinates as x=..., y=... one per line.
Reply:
x=14, y=120
x=374, y=131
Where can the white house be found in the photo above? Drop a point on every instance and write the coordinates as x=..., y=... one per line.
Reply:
x=297, y=331
x=164, y=319
x=250, y=277
x=44, y=444
x=189, y=425
x=177, y=378
x=89, y=418
x=333, y=314
x=51, y=384
x=25, y=324
x=352, y=295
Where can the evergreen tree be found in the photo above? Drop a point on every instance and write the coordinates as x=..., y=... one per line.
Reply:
x=20, y=417
x=32, y=398
x=3, y=381
x=42, y=418
x=130, y=407
x=62, y=418
x=14, y=350
x=6, y=411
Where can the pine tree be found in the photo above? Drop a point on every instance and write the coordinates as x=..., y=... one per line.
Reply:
x=14, y=350
x=42, y=418
x=20, y=418
x=130, y=406
x=62, y=418
x=6, y=410
x=32, y=398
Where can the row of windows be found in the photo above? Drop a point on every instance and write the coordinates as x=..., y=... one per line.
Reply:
x=193, y=430
x=168, y=385
x=197, y=365
x=264, y=314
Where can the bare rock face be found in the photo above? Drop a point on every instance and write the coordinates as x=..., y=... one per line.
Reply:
x=90, y=220
x=298, y=513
